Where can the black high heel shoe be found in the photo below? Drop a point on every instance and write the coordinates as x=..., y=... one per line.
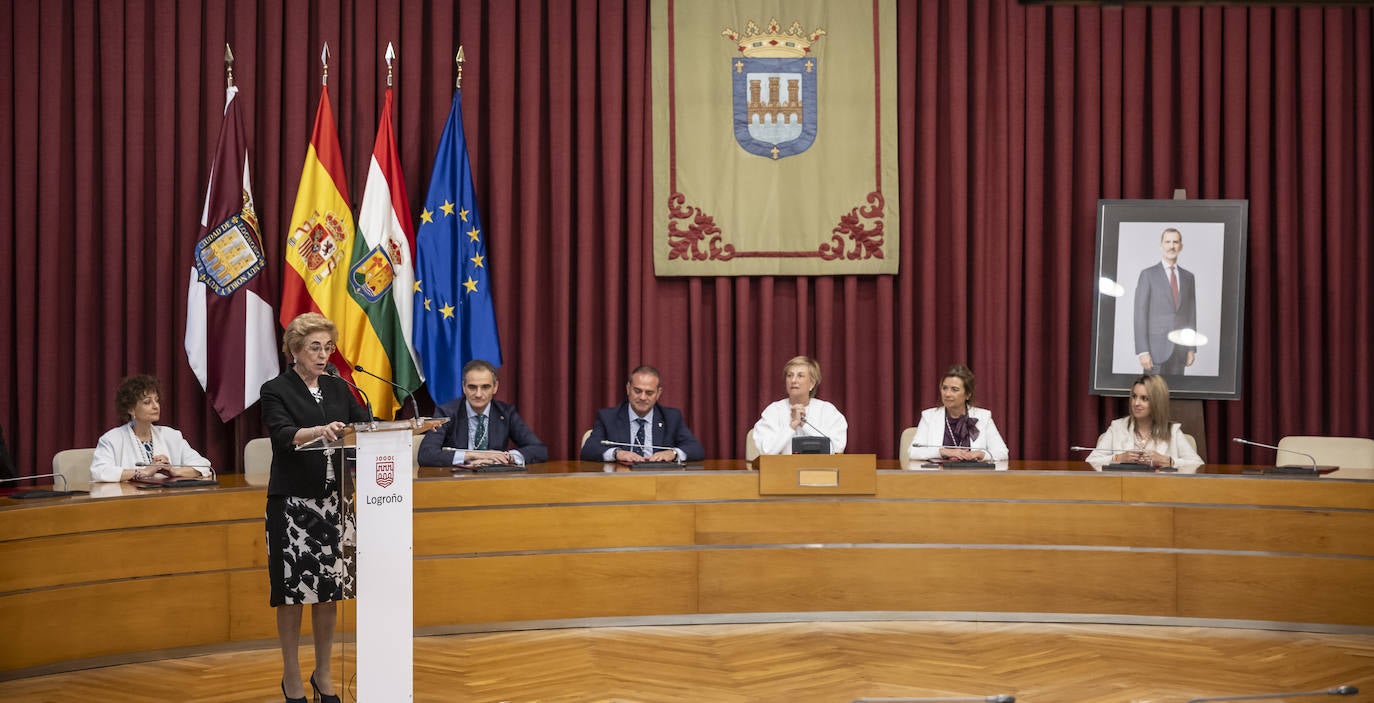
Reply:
x=322, y=698
x=289, y=699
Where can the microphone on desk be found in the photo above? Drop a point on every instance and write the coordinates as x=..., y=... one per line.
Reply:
x=1123, y=466
x=1296, y=470
x=1000, y=698
x=961, y=464
x=609, y=443
x=42, y=493
x=1337, y=691
x=213, y=474
x=414, y=405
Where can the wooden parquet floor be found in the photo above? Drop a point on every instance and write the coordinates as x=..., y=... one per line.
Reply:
x=824, y=662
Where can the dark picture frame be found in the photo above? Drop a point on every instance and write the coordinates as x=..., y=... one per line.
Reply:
x=1211, y=273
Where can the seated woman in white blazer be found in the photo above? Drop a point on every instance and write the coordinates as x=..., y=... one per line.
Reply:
x=139, y=441
x=1146, y=436
x=801, y=413
x=957, y=430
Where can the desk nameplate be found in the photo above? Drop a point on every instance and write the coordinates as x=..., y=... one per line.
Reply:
x=812, y=474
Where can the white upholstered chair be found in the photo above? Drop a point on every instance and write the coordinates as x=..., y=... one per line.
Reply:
x=904, y=444
x=1345, y=452
x=74, y=465
x=257, y=461
x=751, y=448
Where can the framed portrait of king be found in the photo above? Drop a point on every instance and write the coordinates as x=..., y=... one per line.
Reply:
x=1169, y=296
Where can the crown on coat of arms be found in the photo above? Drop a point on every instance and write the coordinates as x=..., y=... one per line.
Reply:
x=774, y=44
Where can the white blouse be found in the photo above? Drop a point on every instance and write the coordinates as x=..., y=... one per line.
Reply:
x=773, y=432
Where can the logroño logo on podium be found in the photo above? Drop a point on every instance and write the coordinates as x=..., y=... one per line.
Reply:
x=386, y=470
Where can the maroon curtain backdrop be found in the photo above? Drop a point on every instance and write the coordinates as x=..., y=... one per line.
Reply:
x=1014, y=121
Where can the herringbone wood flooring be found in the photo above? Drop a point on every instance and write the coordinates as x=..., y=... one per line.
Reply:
x=822, y=662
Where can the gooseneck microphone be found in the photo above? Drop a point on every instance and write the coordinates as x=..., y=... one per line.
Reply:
x=333, y=370
x=1000, y=698
x=414, y=405
x=1093, y=450
x=51, y=475
x=939, y=461
x=213, y=473
x=1298, y=470
x=609, y=443
x=1124, y=466
x=1337, y=691
x=818, y=430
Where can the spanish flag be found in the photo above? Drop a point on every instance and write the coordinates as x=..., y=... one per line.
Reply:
x=323, y=252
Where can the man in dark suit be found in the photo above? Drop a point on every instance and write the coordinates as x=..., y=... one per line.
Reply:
x=648, y=431
x=1165, y=301
x=482, y=428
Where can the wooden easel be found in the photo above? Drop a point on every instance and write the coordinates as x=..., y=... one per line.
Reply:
x=1188, y=412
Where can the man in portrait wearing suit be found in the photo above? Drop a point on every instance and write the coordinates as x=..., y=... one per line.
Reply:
x=481, y=428
x=1165, y=301
x=642, y=429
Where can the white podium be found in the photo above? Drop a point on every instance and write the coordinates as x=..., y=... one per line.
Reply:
x=384, y=537
x=386, y=622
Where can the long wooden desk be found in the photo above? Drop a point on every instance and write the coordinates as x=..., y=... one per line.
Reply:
x=98, y=579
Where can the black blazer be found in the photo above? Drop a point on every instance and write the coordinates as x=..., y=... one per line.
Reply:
x=669, y=431
x=288, y=406
x=504, y=428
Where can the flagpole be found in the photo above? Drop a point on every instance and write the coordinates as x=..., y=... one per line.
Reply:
x=390, y=56
x=458, y=82
x=324, y=65
x=228, y=66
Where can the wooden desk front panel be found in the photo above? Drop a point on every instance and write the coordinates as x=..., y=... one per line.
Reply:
x=513, y=548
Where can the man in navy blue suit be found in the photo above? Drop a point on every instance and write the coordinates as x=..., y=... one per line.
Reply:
x=642, y=429
x=1165, y=302
x=482, y=429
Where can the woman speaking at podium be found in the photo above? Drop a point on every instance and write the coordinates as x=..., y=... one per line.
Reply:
x=957, y=430
x=136, y=448
x=306, y=515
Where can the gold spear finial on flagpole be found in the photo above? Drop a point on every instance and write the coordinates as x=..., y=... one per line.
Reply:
x=324, y=65
x=228, y=65
x=390, y=56
x=458, y=83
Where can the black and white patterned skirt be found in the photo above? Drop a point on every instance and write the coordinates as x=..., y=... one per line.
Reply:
x=309, y=558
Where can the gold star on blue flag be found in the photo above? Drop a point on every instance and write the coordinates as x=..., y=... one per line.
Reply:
x=449, y=268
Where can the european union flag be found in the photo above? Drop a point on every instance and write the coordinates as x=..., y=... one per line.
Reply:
x=455, y=321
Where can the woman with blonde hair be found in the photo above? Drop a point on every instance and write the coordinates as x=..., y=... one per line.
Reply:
x=306, y=513
x=1146, y=436
x=801, y=413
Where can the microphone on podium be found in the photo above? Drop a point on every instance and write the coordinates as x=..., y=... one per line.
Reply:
x=414, y=405
x=808, y=445
x=1337, y=691
x=1000, y=698
x=333, y=370
x=1294, y=470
